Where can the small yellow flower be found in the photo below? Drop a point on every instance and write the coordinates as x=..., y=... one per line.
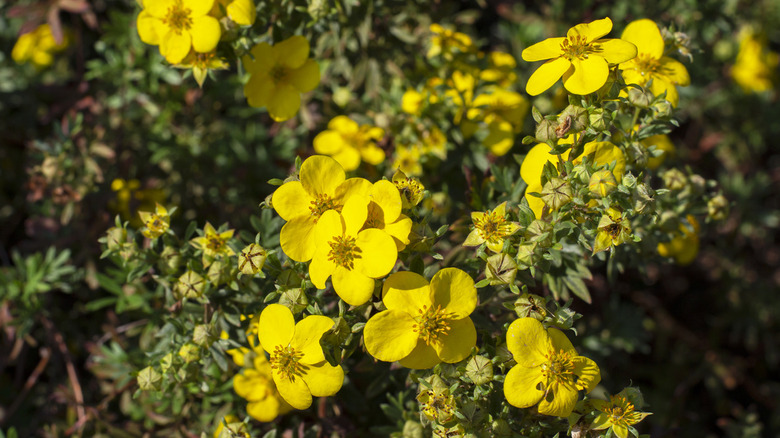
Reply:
x=412, y=190
x=298, y=365
x=412, y=102
x=38, y=47
x=613, y=229
x=279, y=74
x=582, y=58
x=407, y=159
x=201, y=64
x=492, y=228
x=684, y=246
x=349, y=253
x=384, y=213
x=322, y=187
x=241, y=12
x=446, y=42
x=424, y=324
x=256, y=385
x=213, y=244
x=756, y=67
x=178, y=26
x=348, y=143
x=650, y=65
x=501, y=69
x=155, y=224
x=618, y=413
x=548, y=371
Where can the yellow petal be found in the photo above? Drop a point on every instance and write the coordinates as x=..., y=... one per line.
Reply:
x=372, y=154
x=349, y=158
x=324, y=379
x=378, y=253
x=389, y=336
x=284, y=102
x=353, y=187
x=560, y=400
x=454, y=290
x=546, y=75
x=660, y=86
x=353, y=286
x=421, y=358
x=307, y=338
x=329, y=143
x=587, y=76
x=646, y=37
x=399, y=231
x=250, y=385
x=205, y=34
x=474, y=238
x=306, y=77
x=387, y=196
x=605, y=153
x=456, y=345
x=275, y=327
x=355, y=212
x=587, y=372
x=264, y=410
x=291, y=200
x=242, y=12
x=560, y=341
x=293, y=51
x=547, y=49
x=295, y=392
x=500, y=138
x=528, y=342
x=616, y=51
x=674, y=71
x=261, y=60
x=297, y=238
x=520, y=386
x=148, y=26
x=158, y=8
x=321, y=175
x=258, y=90
x=196, y=7
x=321, y=267
x=174, y=47
x=406, y=291
x=329, y=226
x=591, y=31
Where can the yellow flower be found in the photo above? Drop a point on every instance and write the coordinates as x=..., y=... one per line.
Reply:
x=650, y=65
x=178, y=26
x=38, y=47
x=504, y=113
x=322, y=187
x=663, y=144
x=256, y=385
x=279, y=74
x=491, y=227
x=213, y=244
x=352, y=255
x=461, y=91
x=548, y=371
x=412, y=102
x=424, y=324
x=618, y=413
x=407, y=159
x=241, y=12
x=298, y=365
x=581, y=58
x=684, y=246
x=411, y=189
x=201, y=64
x=348, y=143
x=155, y=224
x=603, y=154
x=434, y=142
x=501, y=69
x=756, y=67
x=613, y=229
x=447, y=42
x=384, y=213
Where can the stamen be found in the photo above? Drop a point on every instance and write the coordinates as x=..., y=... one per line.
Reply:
x=178, y=18
x=432, y=323
x=343, y=251
x=323, y=203
x=286, y=361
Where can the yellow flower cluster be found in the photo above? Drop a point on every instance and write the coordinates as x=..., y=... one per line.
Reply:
x=756, y=67
x=350, y=229
x=38, y=47
x=349, y=143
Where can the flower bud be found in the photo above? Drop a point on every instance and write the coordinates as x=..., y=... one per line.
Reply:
x=599, y=119
x=189, y=352
x=638, y=154
x=169, y=261
x=643, y=199
x=556, y=193
x=545, y=131
x=204, y=335
x=718, y=208
x=295, y=299
x=500, y=269
x=602, y=183
x=480, y=370
x=530, y=305
x=674, y=179
x=525, y=255
x=661, y=109
x=572, y=119
x=540, y=232
x=412, y=429
x=189, y=285
x=116, y=237
x=149, y=379
x=251, y=259
x=218, y=272
x=640, y=97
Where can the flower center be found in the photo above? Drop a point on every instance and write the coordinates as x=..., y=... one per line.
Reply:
x=620, y=411
x=432, y=323
x=647, y=65
x=410, y=189
x=559, y=367
x=214, y=243
x=321, y=204
x=343, y=251
x=492, y=227
x=178, y=18
x=286, y=361
x=577, y=47
x=613, y=230
x=279, y=73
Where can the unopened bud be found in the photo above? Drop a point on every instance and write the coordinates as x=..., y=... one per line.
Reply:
x=189, y=285
x=170, y=260
x=500, y=269
x=697, y=184
x=251, y=259
x=674, y=179
x=572, y=119
x=412, y=429
x=204, y=335
x=661, y=109
x=218, y=273
x=640, y=97
x=149, y=379
x=530, y=306
x=525, y=255
x=480, y=370
x=295, y=299
x=556, y=193
x=540, y=232
x=643, y=199
x=116, y=237
x=545, y=130
x=166, y=362
x=599, y=119
x=638, y=154
x=602, y=183
x=718, y=208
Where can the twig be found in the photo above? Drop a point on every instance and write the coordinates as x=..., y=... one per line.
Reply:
x=72, y=376
x=45, y=355
x=121, y=329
